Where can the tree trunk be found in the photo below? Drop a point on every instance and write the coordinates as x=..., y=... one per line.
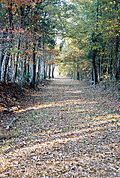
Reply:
x=49, y=71
x=5, y=34
x=28, y=68
x=11, y=27
x=53, y=69
x=17, y=58
x=99, y=68
x=95, y=75
x=78, y=75
x=110, y=70
x=45, y=69
x=1, y=61
x=34, y=67
x=117, y=75
x=6, y=67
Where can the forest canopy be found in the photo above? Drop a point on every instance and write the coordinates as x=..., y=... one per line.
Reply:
x=89, y=40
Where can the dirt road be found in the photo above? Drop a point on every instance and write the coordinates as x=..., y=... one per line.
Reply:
x=70, y=131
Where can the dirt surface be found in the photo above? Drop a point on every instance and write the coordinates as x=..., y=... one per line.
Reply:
x=68, y=130
x=13, y=97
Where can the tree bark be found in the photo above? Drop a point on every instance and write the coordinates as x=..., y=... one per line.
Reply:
x=49, y=71
x=53, y=69
x=95, y=75
x=6, y=66
x=17, y=58
x=34, y=67
x=5, y=34
x=117, y=75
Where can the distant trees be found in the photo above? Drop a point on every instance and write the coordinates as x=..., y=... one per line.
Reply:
x=94, y=29
x=72, y=60
x=27, y=39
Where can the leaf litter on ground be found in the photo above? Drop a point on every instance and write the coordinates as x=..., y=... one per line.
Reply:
x=69, y=129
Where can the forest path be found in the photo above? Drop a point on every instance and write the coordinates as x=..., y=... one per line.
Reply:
x=72, y=133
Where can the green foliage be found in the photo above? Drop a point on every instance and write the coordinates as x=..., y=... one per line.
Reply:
x=94, y=28
x=87, y=26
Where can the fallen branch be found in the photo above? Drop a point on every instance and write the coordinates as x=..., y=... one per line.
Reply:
x=11, y=123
